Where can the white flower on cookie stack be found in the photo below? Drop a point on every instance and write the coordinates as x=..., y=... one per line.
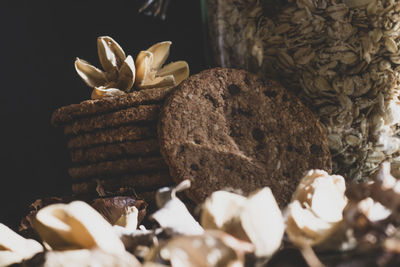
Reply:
x=119, y=70
x=151, y=72
x=316, y=208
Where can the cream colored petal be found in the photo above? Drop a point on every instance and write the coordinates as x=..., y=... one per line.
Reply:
x=9, y=257
x=143, y=70
x=126, y=75
x=50, y=224
x=160, y=52
x=93, y=257
x=91, y=75
x=221, y=208
x=179, y=69
x=328, y=201
x=129, y=220
x=263, y=223
x=76, y=225
x=90, y=225
x=100, y=92
x=303, y=227
x=158, y=82
x=110, y=53
x=14, y=248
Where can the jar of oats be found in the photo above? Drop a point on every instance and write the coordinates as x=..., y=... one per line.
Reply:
x=341, y=57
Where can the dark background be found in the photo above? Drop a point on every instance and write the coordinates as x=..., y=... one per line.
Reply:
x=39, y=43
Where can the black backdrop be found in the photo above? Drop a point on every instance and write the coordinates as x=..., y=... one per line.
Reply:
x=39, y=42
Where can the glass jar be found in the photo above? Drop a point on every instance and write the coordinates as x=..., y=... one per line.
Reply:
x=340, y=57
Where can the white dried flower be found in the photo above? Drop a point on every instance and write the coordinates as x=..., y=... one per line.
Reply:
x=316, y=208
x=151, y=72
x=14, y=248
x=119, y=70
x=256, y=218
x=76, y=225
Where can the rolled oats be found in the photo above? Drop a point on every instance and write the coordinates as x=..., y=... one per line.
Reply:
x=341, y=57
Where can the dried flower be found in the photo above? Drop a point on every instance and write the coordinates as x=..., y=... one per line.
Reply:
x=213, y=248
x=76, y=225
x=14, y=248
x=316, y=208
x=173, y=213
x=150, y=71
x=120, y=73
x=119, y=70
x=256, y=219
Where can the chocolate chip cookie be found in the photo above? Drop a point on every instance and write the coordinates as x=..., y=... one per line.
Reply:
x=69, y=113
x=226, y=128
x=115, y=151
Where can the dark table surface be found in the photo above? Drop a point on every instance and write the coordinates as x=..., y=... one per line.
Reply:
x=40, y=40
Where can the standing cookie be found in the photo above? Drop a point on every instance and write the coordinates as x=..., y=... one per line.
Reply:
x=225, y=128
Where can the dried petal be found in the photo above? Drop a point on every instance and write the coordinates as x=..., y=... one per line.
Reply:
x=14, y=248
x=316, y=208
x=174, y=214
x=263, y=223
x=76, y=225
x=220, y=209
x=126, y=75
x=111, y=55
x=178, y=69
x=160, y=52
x=158, y=82
x=91, y=75
x=213, y=248
x=100, y=92
x=86, y=257
x=143, y=68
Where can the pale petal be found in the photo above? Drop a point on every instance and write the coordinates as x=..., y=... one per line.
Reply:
x=76, y=225
x=100, y=92
x=179, y=69
x=51, y=226
x=160, y=52
x=165, y=81
x=307, y=228
x=143, y=70
x=111, y=55
x=221, y=208
x=262, y=221
x=91, y=75
x=328, y=201
x=14, y=248
x=126, y=75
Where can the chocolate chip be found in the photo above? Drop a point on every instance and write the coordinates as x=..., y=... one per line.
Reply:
x=246, y=80
x=246, y=113
x=298, y=150
x=233, y=89
x=258, y=134
x=194, y=167
x=260, y=147
x=315, y=149
x=229, y=168
x=212, y=100
x=270, y=93
x=197, y=141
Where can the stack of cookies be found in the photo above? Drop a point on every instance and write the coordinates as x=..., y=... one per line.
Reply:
x=113, y=143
